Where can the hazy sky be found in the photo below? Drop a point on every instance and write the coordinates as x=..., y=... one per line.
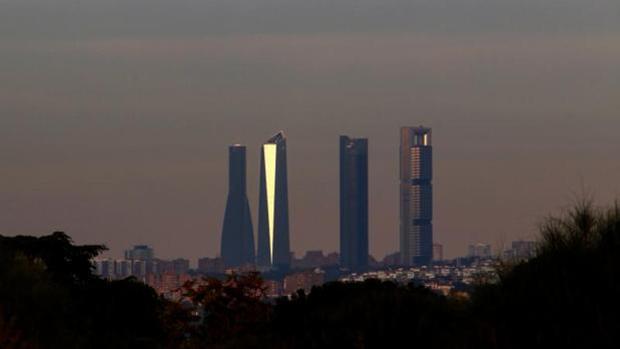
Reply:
x=115, y=115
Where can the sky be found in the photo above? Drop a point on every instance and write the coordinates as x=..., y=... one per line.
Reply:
x=116, y=115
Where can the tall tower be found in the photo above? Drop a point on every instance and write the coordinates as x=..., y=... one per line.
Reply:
x=416, y=196
x=237, y=234
x=354, y=203
x=273, y=225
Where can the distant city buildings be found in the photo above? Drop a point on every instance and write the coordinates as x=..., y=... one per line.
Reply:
x=237, y=244
x=273, y=219
x=447, y=276
x=416, y=196
x=122, y=269
x=211, y=265
x=140, y=252
x=168, y=283
x=444, y=278
x=315, y=259
x=106, y=268
x=354, y=203
x=180, y=266
x=437, y=252
x=165, y=276
x=392, y=259
x=286, y=274
x=304, y=280
x=521, y=249
x=479, y=250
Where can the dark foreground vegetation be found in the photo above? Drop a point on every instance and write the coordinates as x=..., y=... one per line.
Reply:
x=568, y=296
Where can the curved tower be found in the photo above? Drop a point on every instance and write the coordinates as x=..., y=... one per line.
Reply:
x=237, y=233
x=273, y=227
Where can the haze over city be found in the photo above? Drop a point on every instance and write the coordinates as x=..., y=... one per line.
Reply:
x=115, y=121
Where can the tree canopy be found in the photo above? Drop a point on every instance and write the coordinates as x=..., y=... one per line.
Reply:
x=566, y=296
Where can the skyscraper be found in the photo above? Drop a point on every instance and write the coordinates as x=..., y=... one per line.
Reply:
x=416, y=196
x=354, y=203
x=273, y=225
x=237, y=233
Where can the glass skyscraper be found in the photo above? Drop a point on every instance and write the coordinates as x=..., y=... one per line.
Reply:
x=416, y=196
x=237, y=234
x=273, y=224
x=354, y=203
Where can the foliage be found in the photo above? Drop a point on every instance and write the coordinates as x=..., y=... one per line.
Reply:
x=371, y=314
x=50, y=298
x=565, y=296
x=12, y=338
x=64, y=262
x=233, y=309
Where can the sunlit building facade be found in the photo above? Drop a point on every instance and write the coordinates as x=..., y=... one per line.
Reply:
x=273, y=221
x=354, y=203
x=416, y=196
x=237, y=247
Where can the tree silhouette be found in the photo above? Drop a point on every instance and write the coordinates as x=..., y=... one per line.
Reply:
x=50, y=298
x=371, y=314
x=565, y=296
x=65, y=262
x=233, y=310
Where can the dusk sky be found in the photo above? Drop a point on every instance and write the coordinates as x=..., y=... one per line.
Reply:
x=116, y=115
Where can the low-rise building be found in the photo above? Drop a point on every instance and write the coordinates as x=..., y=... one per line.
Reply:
x=208, y=265
x=303, y=280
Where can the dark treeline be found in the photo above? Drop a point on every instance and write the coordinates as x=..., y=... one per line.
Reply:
x=566, y=296
x=50, y=298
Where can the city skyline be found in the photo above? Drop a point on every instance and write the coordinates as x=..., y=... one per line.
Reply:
x=115, y=120
x=416, y=204
x=300, y=252
x=309, y=173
